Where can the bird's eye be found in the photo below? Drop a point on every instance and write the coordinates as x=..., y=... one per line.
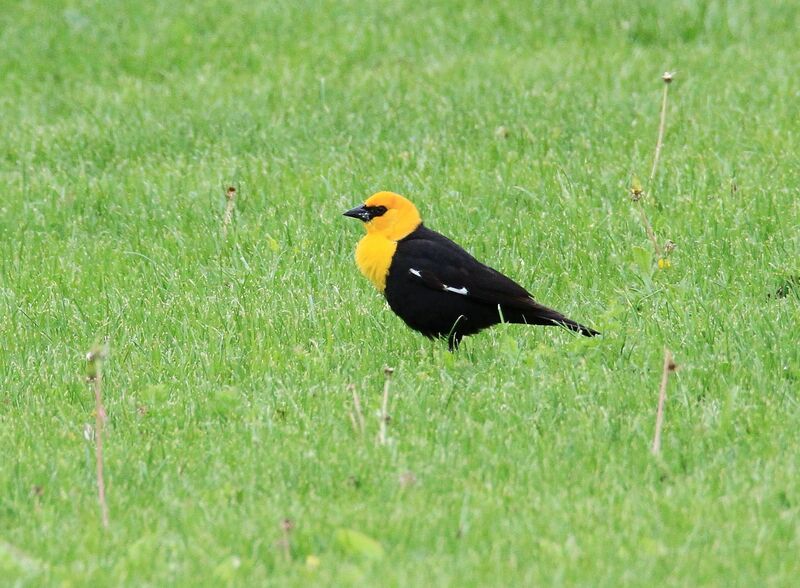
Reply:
x=376, y=211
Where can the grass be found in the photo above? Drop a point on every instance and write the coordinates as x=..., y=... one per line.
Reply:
x=522, y=460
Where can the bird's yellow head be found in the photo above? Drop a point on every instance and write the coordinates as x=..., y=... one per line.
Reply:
x=387, y=214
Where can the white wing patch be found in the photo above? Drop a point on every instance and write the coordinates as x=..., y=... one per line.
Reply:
x=463, y=291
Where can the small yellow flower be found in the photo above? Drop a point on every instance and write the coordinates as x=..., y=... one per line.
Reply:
x=636, y=190
x=664, y=263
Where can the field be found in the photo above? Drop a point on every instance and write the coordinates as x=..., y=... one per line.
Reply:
x=518, y=130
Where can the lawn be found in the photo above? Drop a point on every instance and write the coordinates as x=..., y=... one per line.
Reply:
x=518, y=130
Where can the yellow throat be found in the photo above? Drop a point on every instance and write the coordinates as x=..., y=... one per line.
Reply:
x=375, y=250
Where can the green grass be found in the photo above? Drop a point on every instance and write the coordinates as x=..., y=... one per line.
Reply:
x=121, y=125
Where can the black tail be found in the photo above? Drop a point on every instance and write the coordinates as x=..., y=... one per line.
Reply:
x=541, y=315
x=577, y=327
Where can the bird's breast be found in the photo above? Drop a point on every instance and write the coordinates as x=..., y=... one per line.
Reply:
x=373, y=257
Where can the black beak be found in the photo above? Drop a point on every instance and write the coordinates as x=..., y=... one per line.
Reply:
x=359, y=212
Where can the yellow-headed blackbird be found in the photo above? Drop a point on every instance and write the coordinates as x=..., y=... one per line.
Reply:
x=435, y=286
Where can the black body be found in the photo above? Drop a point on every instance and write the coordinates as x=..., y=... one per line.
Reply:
x=440, y=290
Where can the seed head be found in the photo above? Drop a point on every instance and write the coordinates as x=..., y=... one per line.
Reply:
x=407, y=479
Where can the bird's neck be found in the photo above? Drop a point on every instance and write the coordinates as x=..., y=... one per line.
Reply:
x=374, y=256
x=394, y=226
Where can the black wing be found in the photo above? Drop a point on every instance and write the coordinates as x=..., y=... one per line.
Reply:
x=439, y=264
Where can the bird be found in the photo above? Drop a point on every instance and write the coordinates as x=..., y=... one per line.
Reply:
x=435, y=286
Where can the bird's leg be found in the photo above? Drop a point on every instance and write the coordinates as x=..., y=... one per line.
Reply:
x=454, y=337
x=453, y=341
